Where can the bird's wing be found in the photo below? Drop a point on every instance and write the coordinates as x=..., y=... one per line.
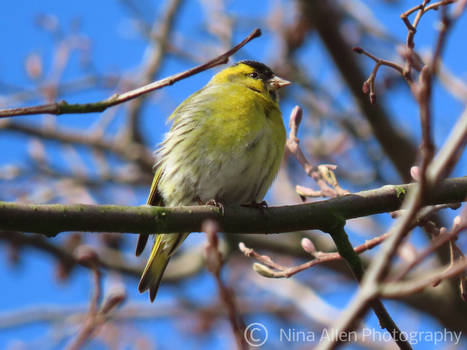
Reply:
x=154, y=198
x=162, y=249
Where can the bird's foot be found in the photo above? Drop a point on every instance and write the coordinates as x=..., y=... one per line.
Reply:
x=198, y=200
x=214, y=203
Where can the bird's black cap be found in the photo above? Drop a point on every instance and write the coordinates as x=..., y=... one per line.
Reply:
x=264, y=71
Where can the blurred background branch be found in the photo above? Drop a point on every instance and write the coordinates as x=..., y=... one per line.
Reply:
x=74, y=53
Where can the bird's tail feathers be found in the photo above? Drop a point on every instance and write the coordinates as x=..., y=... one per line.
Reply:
x=162, y=250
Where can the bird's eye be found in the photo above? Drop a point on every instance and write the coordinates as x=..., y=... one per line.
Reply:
x=254, y=75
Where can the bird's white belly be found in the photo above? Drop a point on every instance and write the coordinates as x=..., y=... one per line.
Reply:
x=238, y=177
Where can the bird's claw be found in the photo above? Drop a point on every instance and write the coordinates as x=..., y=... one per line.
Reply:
x=214, y=203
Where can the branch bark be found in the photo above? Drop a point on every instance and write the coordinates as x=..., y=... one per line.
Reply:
x=51, y=219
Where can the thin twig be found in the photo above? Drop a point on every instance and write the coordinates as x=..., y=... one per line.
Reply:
x=378, y=270
x=368, y=86
x=323, y=174
x=319, y=258
x=134, y=152
x=400, y=289
x=214, y=265
x=412, y=28
x=160, y=35
x=63, y=107
x=87, y=256
x=435, y=244
x=345, y=249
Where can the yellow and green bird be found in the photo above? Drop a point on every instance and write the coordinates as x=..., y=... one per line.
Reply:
x=225, y=144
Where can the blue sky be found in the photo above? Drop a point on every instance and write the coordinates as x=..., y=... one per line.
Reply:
x=116, y=48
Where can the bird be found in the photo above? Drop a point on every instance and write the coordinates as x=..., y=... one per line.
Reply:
x=225, y=146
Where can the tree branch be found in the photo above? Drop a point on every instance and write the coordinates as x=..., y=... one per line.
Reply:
x=345, y=249
x=400, y=150
x=50, y=219
x=160, y=35
x=136, y=153
x=63, y=107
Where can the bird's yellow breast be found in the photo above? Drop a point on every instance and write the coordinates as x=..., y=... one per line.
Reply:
x=236, y=125
x=226, y=143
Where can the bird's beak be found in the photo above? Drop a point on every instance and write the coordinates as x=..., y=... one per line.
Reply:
x=276, y=82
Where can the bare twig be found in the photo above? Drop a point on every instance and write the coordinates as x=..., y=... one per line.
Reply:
x=421, y=91
x=368, y=86
x=379, y=268
x=400, y=229
x=400, y=149
x=319, y=258
x=400, y=289
x=435, y=244
x=422, y=9
x=214, y=265
x=323, y=174
x=134, y=152
x=412, y=28
x=98, y=313
x=160, y=35
x=63, y=107
x=280, y=271
x=87, y=256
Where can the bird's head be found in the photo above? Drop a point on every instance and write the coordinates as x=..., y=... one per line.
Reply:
x=254, y=75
